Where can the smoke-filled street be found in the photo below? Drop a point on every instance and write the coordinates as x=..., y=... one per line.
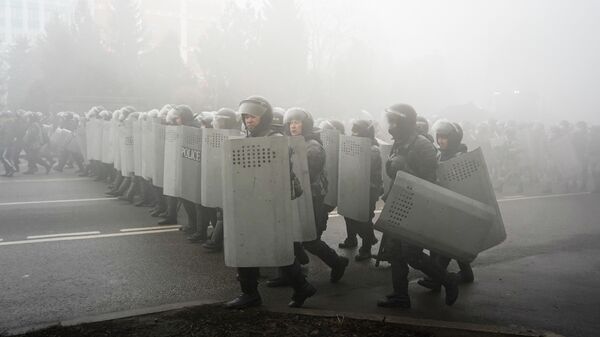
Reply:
x=69, y=251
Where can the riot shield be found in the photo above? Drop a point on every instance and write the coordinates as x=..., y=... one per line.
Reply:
x=354, y=178
x=147, y=148
x=304, y=217
x=257, y=203
x=116, y=142
x=136, y=131
x=172, y=159
x=94, y=139
x=158, y=131
x=385, y=150
x=191, y=163
x=468, y=175
x=429, y=216
x=107, y=148
x=126, y=148
x=331, y=144
x=212, y=165
x=81, y=143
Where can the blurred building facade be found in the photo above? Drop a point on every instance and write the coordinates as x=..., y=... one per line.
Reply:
x=28, y=18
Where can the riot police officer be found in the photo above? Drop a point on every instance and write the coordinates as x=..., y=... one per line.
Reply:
x=449, y=139
x=414, y=154
x=257, y=116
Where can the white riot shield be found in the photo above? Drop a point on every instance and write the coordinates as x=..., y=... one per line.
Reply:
x=385, y=150
x=107, y=148
x=212, y=165
x=158, y=131
x=136, y=131
x=354, y=178
x=191, y=164
x=303, y=220
x=94, y=139
x=172, y=159
x=429, y=216
x=331, y=144
x=257, y=203
x=116, y=142
x=147, y=148
x=126, y=148
x=468, y=175
x=564, y=157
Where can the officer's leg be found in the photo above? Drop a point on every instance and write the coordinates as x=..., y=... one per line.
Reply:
x=427, y=282
x=302, y=289
x=171, y=216
x=466, y=272
x=250, y=296
x=367, y=234
x=161, y=202
x=351, y=240
x=423, y=262
x=216, y=240
x=190, y=210
x=399, y=298
x=62, y=160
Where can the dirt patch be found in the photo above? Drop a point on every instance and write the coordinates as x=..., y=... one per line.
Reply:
x=213, y=320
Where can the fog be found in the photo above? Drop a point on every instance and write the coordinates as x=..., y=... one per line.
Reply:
x=465, y=60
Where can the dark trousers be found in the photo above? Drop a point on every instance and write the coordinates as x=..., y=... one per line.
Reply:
x=190, y=209
x=402, y=256
x=206, y=216
x=34, y=159
x=6, y=162
x=172, y=207
x=318, y=247
x=248, y=277
x=364, y=229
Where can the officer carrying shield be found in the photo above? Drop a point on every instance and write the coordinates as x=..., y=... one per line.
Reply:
x=414, y=154
x=449, y=139
x=257, y=116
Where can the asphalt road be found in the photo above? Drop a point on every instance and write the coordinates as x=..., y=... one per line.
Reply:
x=67, y=251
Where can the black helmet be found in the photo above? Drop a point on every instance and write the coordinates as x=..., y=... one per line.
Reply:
x=226, y=119
x=278, y=113
x=298, y=114
x=257, y=106
x=452, y=131
x=182, y=112
x=422, y=125
x=402, y=120
x=363, y=128
x=333, y=124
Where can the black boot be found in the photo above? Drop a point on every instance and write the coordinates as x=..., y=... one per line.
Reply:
x=301, y=295
x=430, y=284
x=245, y=301
x=395, y=301
x=349, y=243
x=466, y=272
x=338, y=270
x=451, y=286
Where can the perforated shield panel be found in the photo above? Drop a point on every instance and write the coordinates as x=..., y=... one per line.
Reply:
x=257, y=203
x=172, y=168
x=302, y=207
x=158, y=130
x=212, y=165
x=191, y=163
x=467, y=175
x=429, y=216
x=354, y=177
x=331, y=144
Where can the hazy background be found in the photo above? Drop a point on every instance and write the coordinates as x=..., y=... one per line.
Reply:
x=523, y=60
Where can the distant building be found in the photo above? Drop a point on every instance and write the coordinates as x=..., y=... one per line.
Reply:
x=28, y=18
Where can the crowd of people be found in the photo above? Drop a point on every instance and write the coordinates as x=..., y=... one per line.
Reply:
x=517, y=154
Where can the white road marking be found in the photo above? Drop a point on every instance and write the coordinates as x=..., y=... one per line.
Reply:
x=59, y=235
x=86, y=237
x=149, y=228
x=12, y=181
x=53, y=201
x=506, y=199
